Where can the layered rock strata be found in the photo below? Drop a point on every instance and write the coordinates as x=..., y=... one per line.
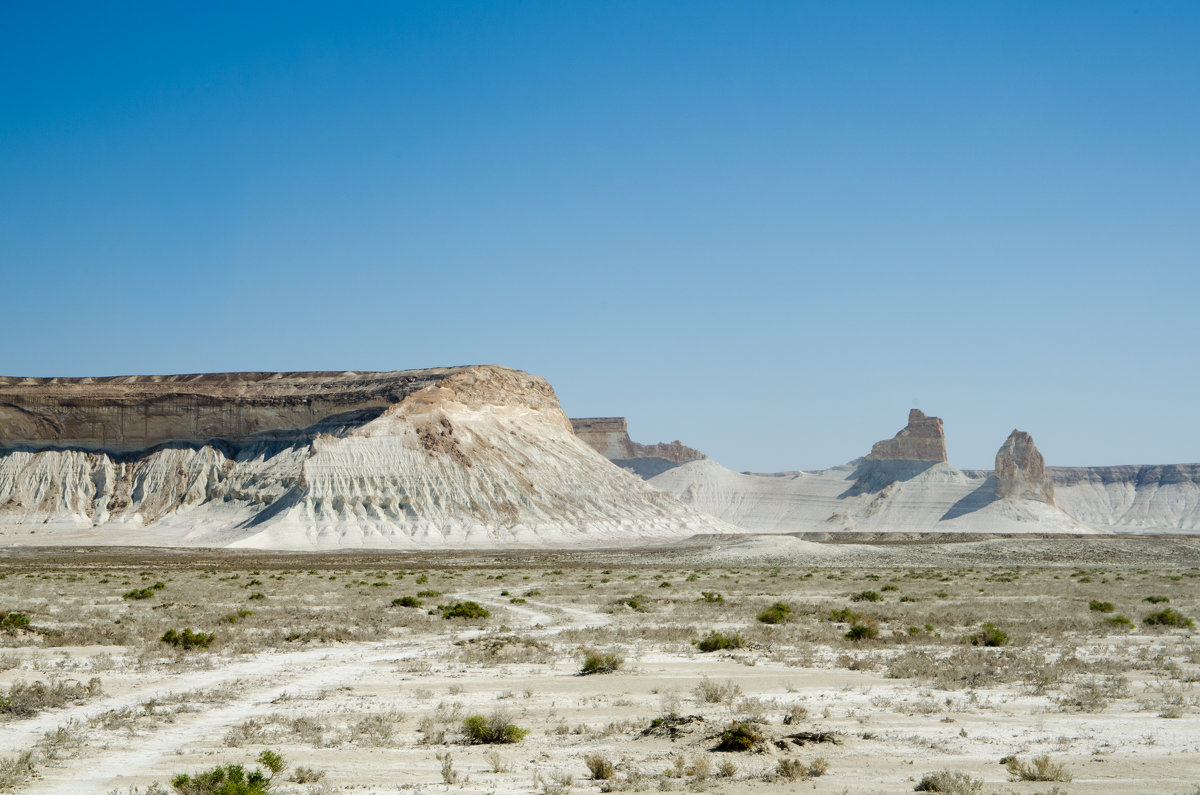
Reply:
x=465, y=456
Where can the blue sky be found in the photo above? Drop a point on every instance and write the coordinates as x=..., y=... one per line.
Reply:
x=767, y=229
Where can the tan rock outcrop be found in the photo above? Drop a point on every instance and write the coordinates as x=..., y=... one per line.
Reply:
x=1021, y=471
x=923, y=439
x=609, y=436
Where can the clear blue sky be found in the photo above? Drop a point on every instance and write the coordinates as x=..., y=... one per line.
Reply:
x=767, y=229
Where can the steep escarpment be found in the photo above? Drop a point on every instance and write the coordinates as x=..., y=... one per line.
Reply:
x=1021, y=471
x=468, y=456
x=609, y=436
x=1163, y=497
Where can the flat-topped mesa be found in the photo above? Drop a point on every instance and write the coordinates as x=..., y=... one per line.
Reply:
x=1021, y=470
x=922, y=440
x=609, y=436
x=123, y=414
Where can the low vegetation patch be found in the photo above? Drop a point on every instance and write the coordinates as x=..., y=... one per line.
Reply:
x=491, y=729
x=464, y=610
x=1168, y=617
x=187, y=639
x=25, y=699
x=861, y=632
x=13, y=622
x=988, y=635
x=1040, y=768
x=951, y=782
x=599, y=766
x=866, y=596
x=407, y=601
x=143, y=593
x=778, y=613
x=739, y=736
x=1101, y=607
x=597, y=662
x=1156, y=600
x=717, y=641
x=794, y=769
x=231, y=779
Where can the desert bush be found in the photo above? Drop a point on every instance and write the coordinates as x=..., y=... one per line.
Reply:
x=866, y=596
x=989, y=635
x=778, y=613
x=793, y=769
x=12, y=622
x=306, y=775
x=739, y=737
x=599, y=766
x=1120, y=622
x=1155, y=600
x=407, y=601
x=1168, y=617
x=1039, y=769
x=845, y=615
x=138, y=593
x=26, y=699
x=950, y=782
x=710, y=596
x=231, y=779
x=1101, y=607
x=709, y=691
x=494, y=728
x=861, y=632
x=15, y=770
x=428, y=594
x=716, y=641
x=465, y=610
x=187, y=639
x=596, y=662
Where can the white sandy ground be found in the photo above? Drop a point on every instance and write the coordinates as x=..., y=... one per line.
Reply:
x=894, y=732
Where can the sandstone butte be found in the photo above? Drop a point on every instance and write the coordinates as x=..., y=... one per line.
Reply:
x=923, y=439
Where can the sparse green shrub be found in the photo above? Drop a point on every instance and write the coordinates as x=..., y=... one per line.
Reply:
x=739, y=737
x=256, y=597
x=1039, y=769
x=138, y=593
x=861, y=632
x=989, y=635
x=13, y=622
x=710, y=691
x=950, y=782
x=599, y=766
x=1101, y=607
x=596, y=662
x=664, y=584
x=494, y=728
x=406, y=601
x=518, y=600
x=187, y=639
x=637, y=603
x=428, y=594
x=778, y=613
x=866, y=596
x=711, y=596
x=1155, y=600
x=1120, y=622
x=231, y=779
x=845, y=615
x=716, y=641
x=465, y=610
x=1168, y=617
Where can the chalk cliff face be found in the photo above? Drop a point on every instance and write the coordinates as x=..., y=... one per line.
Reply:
x=923, y=439
x=1131, y=497
x=609, y=436
x=466, y=456
x=1021, y=471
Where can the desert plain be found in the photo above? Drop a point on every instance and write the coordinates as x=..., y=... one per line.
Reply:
x=969, y=665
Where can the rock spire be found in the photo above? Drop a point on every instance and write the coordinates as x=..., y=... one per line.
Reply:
x=1021, y=470
x=923, y=439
